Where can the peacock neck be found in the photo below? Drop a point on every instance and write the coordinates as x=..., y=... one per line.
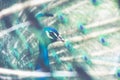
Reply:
x=43, y=59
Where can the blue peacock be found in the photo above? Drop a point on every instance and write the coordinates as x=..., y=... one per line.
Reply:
x=47, y=36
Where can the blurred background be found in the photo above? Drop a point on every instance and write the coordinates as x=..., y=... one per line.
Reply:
x=91, y=29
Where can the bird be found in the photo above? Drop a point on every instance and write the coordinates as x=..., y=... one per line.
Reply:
x=48, y=36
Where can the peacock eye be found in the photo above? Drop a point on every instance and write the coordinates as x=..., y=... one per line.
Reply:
x=51, y=35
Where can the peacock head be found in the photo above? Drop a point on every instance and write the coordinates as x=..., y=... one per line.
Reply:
x=50, y=35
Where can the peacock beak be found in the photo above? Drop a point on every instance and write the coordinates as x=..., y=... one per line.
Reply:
x=59, y=38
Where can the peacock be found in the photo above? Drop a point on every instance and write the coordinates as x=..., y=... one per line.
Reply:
x=31, y=42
